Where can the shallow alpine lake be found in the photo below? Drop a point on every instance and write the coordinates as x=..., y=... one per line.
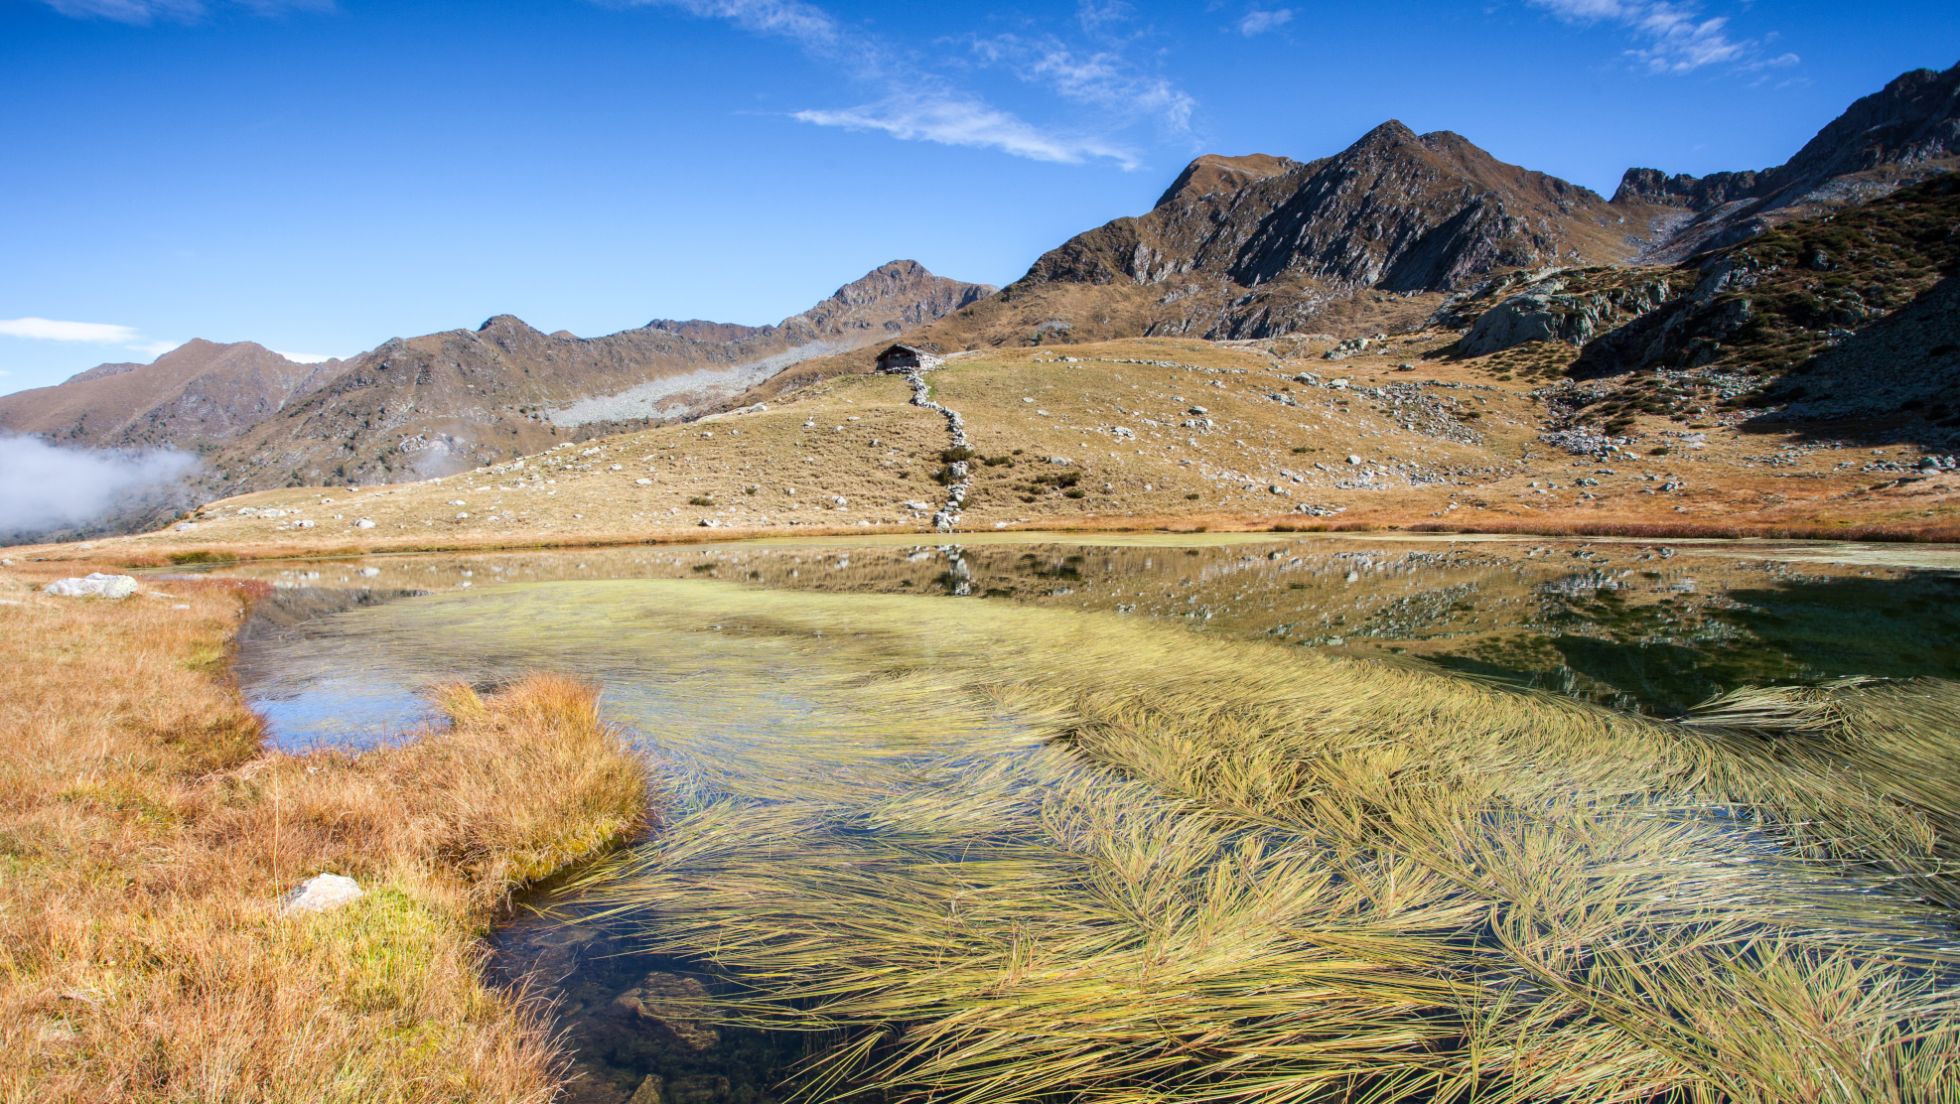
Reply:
x=1040, y=816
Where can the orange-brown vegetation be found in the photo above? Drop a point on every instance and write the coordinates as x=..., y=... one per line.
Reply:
x=146, y=842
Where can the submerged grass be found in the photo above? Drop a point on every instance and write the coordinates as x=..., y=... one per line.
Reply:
x=1036, y=855
x=145, y=842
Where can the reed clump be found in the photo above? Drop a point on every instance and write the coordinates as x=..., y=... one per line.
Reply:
x=146, y=842
x=1026, y=855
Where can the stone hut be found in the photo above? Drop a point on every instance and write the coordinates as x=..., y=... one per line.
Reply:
x=900, y=359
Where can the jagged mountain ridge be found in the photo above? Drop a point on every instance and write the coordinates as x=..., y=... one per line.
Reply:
x=1249, y=247
x=1257, y=246
x=1901, y=134
x=196, y=396
x=1375, y=236
x=443, y=402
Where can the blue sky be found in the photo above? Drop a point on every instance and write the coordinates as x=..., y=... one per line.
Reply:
x=321, y=175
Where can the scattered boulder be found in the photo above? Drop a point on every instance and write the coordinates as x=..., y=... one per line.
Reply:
x=321, y=893
x=96, y=585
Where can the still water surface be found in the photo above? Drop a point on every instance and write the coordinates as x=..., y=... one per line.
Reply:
x=341, y=654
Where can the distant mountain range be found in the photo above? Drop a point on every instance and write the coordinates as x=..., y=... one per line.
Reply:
x=1376, y=235
x=459, y=399
x=197, y=394
x=1396, y=232
x=448, y=401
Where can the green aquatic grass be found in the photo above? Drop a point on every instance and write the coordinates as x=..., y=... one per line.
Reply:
x=1009, y=854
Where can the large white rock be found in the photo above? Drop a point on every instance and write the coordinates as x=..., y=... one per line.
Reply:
x=96, y=585
x=320, y=893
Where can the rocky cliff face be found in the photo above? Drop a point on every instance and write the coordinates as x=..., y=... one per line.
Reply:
x=1692, y=193
x=1905, y=132
x=430, y=405
x=1571, y=307
x=198, y=395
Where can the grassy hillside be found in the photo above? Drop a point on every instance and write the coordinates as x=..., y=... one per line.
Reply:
x=1155, y=432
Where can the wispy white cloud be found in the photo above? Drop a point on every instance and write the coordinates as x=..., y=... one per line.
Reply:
x=1668, y=37
x=925, y=105
x=145, y=12
x=49, y=329
x=807, y=25
x=1260, y=20
x=84, y=333
x=130, y=11
x=953, y=121
x=1102, y=16
x=304, y=358
x=1104, y=79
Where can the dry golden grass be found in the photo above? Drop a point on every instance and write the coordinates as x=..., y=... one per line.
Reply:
x=1182, y=869
x=1450, y=444
x=145, y=843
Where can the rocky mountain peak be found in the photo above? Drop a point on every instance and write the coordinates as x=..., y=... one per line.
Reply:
x=892, y=296
x=888, y=279
x=1914, y=118
x=1389, y=134
x=1218, y=174
x=505, y=324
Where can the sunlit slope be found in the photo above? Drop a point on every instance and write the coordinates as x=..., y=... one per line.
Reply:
x=1156, y=431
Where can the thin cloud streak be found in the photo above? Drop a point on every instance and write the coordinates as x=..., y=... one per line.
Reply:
x=805, y=24
x=926, y=107
x=1102, y=79
x=142, y=13
x=957, y=122
x=49, y=329
x=84, y=333
x=1671, y=38
x=1260, y=20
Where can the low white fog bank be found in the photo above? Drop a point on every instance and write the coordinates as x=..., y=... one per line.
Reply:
x=47, y=490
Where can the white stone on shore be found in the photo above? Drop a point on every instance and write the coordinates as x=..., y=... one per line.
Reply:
x=321, y=893
x=96, y=585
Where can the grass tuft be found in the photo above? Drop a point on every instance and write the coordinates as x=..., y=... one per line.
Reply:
x=146, y=841
x=1116, y=862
